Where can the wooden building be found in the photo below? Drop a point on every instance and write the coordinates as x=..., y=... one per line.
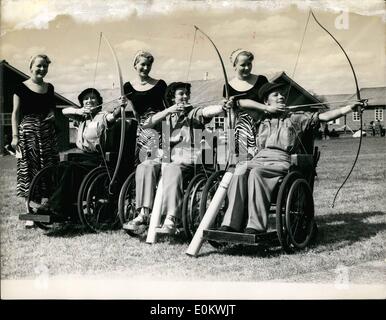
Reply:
x=375, y=110
x=9, y=78
x=206, y=92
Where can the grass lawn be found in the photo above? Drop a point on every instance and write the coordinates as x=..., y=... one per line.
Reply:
x=351, y=234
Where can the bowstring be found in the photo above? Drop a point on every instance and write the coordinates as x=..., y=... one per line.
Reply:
x=187, y=79
x=298, y=56
x=293, y=74
x=92, y=118
x=191, y=55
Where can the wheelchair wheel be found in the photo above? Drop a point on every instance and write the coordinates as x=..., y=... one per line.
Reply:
x=126, y=203
x=101, y=212
x=191, y=206
x=299, y=215
x=43, y=186
x=208, y=192
x=281, y=203
x=82, y=193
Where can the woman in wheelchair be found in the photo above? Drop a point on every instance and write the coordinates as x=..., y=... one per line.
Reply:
x=177, y=159
x=92, y=122
x=93, y=125
x=280, y=134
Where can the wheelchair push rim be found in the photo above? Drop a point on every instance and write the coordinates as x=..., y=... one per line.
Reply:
x=208, y=192
x=101, y=212
x=82, y=194
x=299, y=215
x=281, y=202
x=127, y=204
x=190, y=210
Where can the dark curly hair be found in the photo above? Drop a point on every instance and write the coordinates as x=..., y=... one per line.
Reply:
x=170, y=92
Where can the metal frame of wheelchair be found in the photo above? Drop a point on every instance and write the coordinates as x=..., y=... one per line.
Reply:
x=127, y=208
x=292, y=203
x=96, y=206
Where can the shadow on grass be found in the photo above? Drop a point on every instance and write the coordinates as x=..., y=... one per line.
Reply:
x=66, y=230
x=71, y=229
x=177, y=239
x=348, y=227
x=259, y=250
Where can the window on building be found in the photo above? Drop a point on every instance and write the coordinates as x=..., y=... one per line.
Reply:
x=378, y=114
x=355, y=116
x=219, y=123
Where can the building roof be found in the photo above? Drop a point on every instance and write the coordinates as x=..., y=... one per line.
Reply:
x=335, y=100
x=210, y=91
x=283, y=77
x=5, y=64
x=375, y=95
x=206, y=92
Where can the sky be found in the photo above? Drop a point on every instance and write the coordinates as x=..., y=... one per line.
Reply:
x=68, y=31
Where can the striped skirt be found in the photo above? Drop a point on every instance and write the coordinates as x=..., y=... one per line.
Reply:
x=39, y=148
x=148, y=143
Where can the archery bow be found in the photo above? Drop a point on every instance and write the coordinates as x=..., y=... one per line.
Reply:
x=359, y=99
x=231, y=114
x=123, y=115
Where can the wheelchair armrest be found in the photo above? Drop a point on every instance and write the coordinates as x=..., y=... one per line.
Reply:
x=303, y=163
x=77, y=155
x=302, y=160
x=111, y=156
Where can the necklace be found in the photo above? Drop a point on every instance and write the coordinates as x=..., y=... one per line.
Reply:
x=144, y=81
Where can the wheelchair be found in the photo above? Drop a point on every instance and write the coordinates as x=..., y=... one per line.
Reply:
x=206, y=165
x=292, y=203
x=95, y=203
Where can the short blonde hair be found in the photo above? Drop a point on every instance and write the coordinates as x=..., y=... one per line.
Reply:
x=43, y=56
x=143, y=54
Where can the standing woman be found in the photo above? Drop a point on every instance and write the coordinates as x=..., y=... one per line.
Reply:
x=245, y=86
x=147, y=96
x=33, y=132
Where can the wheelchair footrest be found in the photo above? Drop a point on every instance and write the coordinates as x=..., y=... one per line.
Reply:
x=224, y=236
x=36, y=217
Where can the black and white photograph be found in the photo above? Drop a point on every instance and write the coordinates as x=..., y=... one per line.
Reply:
x=192, y=150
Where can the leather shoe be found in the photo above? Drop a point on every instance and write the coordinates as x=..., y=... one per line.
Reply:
x=253, y=231
x=138, y=222
x=45, y=209
x=170, y=225
x=226, y=229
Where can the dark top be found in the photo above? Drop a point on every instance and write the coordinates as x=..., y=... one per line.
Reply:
x=152, y=99
x=252, y=93
x=32, y=102
x=246, y=126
